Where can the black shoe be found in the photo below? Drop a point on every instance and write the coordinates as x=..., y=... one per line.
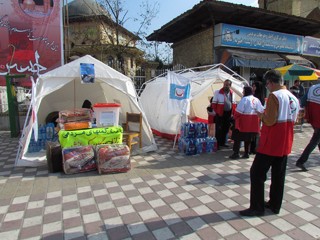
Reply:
x=246, y=155
x=234, y=156
x=302, y=167
x=268, y=205
x=251, y=213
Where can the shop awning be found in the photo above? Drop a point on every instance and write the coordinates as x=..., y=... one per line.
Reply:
x=298, y=60
x=239, y=58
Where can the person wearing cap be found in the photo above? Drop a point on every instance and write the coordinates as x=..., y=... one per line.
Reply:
x=247, y=122
x=274, y=146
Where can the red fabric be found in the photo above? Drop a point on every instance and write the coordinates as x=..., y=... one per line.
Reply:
x=211, y=117
x=247, y=122
x=313, y=114
x=164, y=135
x=197, y=119
x=276, y=140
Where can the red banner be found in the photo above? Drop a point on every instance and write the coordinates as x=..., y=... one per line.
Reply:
x=30, y=37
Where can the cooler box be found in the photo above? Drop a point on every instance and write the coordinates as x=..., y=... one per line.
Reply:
x=107, y=114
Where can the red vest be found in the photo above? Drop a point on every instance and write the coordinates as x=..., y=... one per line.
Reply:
x=246, y=118
x=218, y=102
x=313, y=106
x=276, y=140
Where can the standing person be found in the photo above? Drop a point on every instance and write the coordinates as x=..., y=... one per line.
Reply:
x=301, y=93
x=312, y=110
x=247, y=122
x=274, y=146
x=223, y=105
x=211, y=131
x=258, y=93
x=295, y=91
x=298, y=84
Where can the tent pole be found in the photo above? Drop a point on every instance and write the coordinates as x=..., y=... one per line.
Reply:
x=74, y=93
x=177, y=132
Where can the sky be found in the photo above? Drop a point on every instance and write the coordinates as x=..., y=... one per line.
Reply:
x=168, y=10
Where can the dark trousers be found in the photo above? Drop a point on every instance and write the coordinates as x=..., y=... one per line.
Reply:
x=222, y=127
x=258, y=175
x=253, y=144
x=237, y=145
x=314, y=141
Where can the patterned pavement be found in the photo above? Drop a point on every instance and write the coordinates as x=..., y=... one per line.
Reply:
x=166, y=195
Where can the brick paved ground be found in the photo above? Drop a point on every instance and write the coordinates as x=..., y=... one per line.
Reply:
x=166, y=195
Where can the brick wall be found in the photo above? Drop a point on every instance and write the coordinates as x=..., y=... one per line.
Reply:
x=195, y=50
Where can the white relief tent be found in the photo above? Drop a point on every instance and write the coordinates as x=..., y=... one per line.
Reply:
x=154, y=97
x=61, y=89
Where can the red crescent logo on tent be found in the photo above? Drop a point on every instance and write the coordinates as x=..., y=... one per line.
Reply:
x=179, y=92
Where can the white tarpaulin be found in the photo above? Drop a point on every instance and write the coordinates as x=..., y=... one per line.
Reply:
x=61, y=89
x=154, y=98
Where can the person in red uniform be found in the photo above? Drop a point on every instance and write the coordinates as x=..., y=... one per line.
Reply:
x=274, y=146
x=312, y=108
x=223, y=105
x=247, y=122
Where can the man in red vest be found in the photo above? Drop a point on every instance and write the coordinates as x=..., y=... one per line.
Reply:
x=275, y=145
x=312, y=109
x=223, y=105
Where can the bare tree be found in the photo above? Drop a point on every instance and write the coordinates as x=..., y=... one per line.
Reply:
x=119, y=16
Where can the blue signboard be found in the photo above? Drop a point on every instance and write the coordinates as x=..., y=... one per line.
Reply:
x=311, y=46
x=251, y=38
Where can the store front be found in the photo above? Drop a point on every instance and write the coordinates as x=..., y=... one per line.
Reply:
x=251, y=52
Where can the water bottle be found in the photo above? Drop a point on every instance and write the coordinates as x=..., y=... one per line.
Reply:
x=31, y=146
x=215, y=144
x=191, y=130
x=183, y=130
x=201, y=130
x=209, y=144
x=199, y=145
x=191, y=147
x=43, y=144
x=43, y=132
x=49, y=131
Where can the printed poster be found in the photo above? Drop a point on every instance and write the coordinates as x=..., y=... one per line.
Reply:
x=30, y=37
x=87, y=73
